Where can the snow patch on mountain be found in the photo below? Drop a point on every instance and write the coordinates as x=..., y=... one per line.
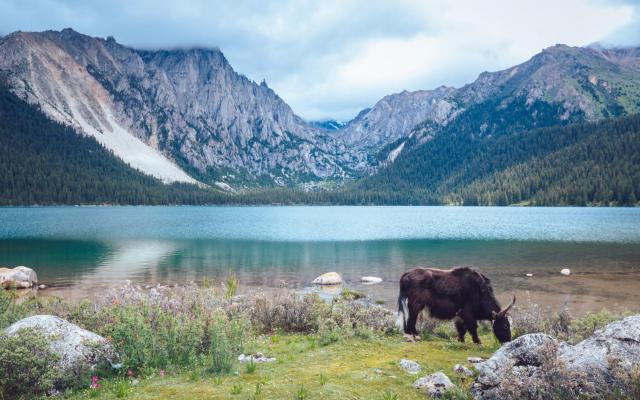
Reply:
x=132, y=150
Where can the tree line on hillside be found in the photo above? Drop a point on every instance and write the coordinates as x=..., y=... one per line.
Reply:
x=44, y=162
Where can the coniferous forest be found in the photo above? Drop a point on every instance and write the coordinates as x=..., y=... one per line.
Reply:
x=44, y=162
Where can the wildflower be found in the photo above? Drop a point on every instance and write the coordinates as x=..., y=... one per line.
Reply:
x=94, y=382
x=162, y=373
x=130, y=372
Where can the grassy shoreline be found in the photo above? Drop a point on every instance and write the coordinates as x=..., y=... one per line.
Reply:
x=184, y=342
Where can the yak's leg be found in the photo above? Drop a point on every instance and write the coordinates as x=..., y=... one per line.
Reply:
x=473, y=330
x=471, y=324
x=415, y=308
x=461, y=328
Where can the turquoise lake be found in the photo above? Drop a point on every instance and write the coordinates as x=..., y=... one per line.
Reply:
x=80, y=251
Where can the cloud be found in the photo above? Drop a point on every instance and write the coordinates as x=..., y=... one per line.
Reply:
x=333, y=58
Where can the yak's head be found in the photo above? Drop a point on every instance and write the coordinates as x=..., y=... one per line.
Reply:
x=501, y=324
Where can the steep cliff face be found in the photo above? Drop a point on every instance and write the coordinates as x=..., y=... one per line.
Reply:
x=175, y=114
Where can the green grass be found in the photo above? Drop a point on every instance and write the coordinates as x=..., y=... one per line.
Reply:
x=353, y=368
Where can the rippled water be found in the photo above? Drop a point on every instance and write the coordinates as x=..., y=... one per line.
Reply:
x=79, y=250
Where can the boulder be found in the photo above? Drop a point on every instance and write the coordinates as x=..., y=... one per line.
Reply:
x=617, y=345
x=410, y=366
x=77, y=348
x=462, y=370
x=370, y=279
x=330, y=278
x=18, y=277
x=525, y=351
x=618, y=341
x=434, y=385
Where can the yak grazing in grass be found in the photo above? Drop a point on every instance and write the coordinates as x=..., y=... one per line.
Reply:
x=461, y=293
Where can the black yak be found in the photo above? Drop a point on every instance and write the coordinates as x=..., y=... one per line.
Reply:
x=461, y=293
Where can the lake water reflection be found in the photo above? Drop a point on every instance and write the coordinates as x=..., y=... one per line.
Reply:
x=79, y=251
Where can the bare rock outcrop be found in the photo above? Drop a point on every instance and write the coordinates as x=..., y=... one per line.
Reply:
x=540, y=358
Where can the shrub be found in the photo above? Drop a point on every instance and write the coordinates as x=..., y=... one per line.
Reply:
x=231, y=286
x=302, y=393
x=236, y=389
x=389, y=395
x=160, y=327
x=9, y=311
x=250, y=368
x=226, y=340
x=285, y=312
x=531, y=318
x=625, y=380
x=350, y=294
x=456, y=393
x=121, y=388
x=584, y=327
x=25, y=361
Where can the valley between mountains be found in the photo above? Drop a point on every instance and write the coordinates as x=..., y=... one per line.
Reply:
x=86, y=120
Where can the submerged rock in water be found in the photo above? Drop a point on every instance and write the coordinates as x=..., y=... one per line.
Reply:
x=18, y=277
x=434, y=385
x=370, y=279
x=78, y=349
x=330, y=278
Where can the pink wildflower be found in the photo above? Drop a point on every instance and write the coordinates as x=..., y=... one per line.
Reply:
x=162, y=373
x=94, y=382
x=129, y=372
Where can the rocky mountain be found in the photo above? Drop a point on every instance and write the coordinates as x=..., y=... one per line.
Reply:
x=560, y=85
x=185, y=115
x=179, y=115
x=394, y=116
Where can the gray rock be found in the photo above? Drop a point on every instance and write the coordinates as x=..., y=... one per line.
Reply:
x=524, y=351
x=18, y=277
x=256, y=358
x=618, y=342
x=462, y=370
x=410, y=366
x=77, y=347
x=370, y=279
x=329, y=278
x=434, y=385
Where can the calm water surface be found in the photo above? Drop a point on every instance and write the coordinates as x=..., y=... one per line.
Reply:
x=79, y=251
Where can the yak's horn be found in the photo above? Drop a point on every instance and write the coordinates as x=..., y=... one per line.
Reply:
x=506, y=310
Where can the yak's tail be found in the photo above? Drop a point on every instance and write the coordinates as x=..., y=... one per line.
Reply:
x=403, y=311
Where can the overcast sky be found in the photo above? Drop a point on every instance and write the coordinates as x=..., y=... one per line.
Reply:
x=331, y=58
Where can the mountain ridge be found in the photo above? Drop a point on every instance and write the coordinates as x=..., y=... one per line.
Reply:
x=187, y=104
x=185, y=115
